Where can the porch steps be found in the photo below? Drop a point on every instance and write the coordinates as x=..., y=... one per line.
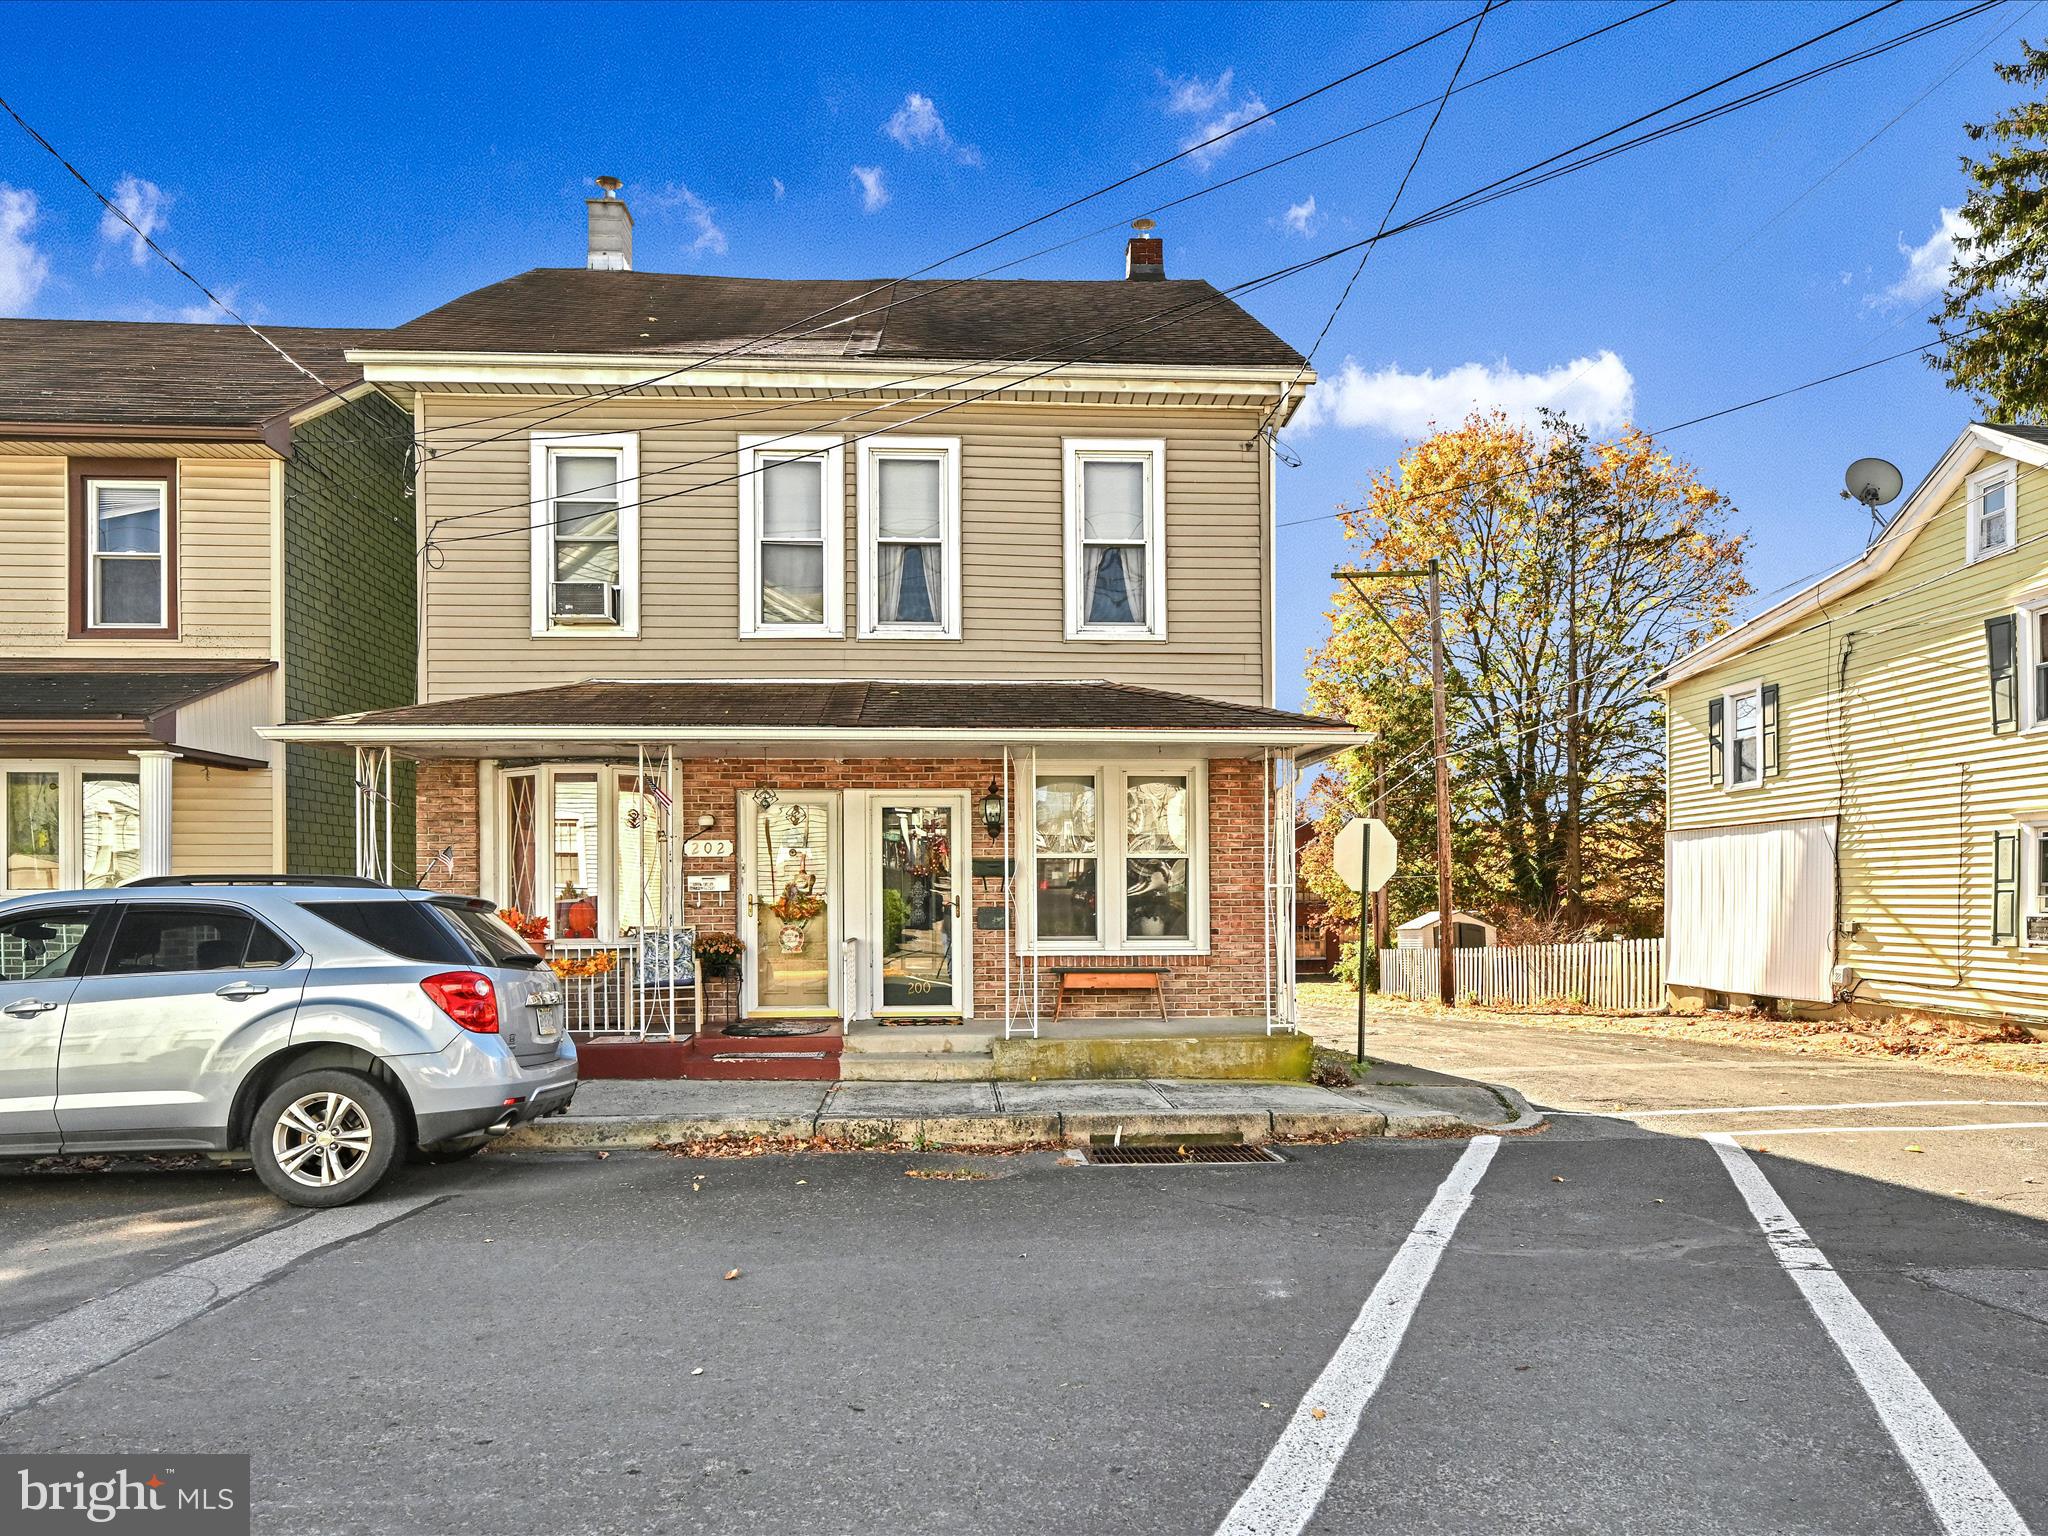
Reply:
x=917, y=1066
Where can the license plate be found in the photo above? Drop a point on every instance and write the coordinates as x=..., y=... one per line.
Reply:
x=545, y=1025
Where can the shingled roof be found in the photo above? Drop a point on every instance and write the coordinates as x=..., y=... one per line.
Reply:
x=129, y=373
x=577, y=311
x=862, y=708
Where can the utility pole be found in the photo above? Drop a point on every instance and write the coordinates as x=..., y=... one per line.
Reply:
x=1446, y=929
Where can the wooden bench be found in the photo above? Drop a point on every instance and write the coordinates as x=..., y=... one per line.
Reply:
x=1112, y=978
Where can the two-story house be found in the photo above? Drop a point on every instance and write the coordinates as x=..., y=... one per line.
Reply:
x=197, y=540
x=1858, y=777
x=920, y=634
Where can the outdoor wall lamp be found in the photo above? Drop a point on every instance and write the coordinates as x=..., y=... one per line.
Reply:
x=992, y=808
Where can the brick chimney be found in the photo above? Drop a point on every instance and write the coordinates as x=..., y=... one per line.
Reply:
x=611, y=229
x=1144, y=254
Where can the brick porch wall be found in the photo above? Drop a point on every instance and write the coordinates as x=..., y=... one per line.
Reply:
x=1229, y=981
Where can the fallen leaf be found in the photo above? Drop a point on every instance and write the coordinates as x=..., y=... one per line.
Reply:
x=1265, y=1405
x=1557, y=1178
x=1657, y=1201
x=698, y=1372
x=602, y=1156
x=1317, y=1413
x=803, y=1181
x=1913, y=1146
x=732, y=1274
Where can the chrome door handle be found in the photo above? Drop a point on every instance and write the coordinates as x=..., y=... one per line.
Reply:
x=240, y=991
x=27, y=1008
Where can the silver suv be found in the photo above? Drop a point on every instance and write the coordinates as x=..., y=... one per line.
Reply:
x=322, y=1026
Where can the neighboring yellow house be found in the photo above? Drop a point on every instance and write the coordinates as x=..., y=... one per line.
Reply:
x=1857, y=778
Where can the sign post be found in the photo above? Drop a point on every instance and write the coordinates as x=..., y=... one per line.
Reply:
x=1364, y=854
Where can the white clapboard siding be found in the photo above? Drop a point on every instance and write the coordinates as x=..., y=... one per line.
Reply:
x=1623, y=975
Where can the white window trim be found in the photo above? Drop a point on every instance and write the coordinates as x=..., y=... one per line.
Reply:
x=1112, y=804
x=2004, y=472
x=1074, y=451
x=71, y=776
x=2029, y=654
x=868, y=520
x=93, y=552
x=544, y=445
x=1728, y=697
x=2033, y=900
x=832, y=450
x=605, y=879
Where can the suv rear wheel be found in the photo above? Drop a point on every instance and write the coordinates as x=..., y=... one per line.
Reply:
x=324, y=1138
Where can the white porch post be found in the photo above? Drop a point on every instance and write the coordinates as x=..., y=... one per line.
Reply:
x=156, y=809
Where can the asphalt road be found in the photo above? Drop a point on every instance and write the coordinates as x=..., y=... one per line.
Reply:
x=1600, y=1339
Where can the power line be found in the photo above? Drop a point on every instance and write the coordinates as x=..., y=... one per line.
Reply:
x=783, y=333
x=1500, y=187
x=1308, y=358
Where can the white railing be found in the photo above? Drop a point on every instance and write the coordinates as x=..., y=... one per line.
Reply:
x=1624, y=975
x=608, y=1002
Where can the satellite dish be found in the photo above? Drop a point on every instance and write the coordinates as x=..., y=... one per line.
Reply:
x=1873, y=482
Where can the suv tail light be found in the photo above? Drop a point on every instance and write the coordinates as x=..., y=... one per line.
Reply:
x=467, y=997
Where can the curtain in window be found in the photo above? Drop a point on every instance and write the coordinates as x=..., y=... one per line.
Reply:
x=910, y=559
x=587, y=517
x=1113, y=541
x=1156, y=856
x=110, y=839
x=792, y=542
x=639, y=860
x=1064, y=824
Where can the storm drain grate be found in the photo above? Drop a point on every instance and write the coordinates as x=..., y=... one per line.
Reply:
x=1199, y=1153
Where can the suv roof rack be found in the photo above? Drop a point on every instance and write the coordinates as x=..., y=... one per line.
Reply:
x=351, y=880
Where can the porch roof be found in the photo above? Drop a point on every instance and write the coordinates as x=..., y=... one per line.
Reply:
x=69, y=706
x=886, y=716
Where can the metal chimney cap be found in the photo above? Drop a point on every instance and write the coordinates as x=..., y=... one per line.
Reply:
x=610, y=184
x=1143, y=226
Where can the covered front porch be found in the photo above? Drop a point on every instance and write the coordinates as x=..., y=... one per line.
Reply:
x=893, y=875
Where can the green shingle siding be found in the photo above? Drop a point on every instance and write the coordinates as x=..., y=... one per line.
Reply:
x=349, y=616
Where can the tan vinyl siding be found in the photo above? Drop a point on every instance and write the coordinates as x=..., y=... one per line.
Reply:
x=479, y=610
x=224, y=567
x=1885, y=722
x=221, y=820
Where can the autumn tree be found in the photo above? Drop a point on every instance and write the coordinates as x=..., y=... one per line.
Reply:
x=1993, y=320
x=1573, y=570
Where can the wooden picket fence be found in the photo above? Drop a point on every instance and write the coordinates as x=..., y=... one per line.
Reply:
x=1623, y=975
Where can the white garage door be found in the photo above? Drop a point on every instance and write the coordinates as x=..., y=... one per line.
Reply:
x=1751, y=909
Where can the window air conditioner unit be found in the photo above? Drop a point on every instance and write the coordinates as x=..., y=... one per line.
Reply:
x=583, y=602
x=2036, y=932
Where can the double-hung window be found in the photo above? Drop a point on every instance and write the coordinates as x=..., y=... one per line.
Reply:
x=1118, y=859
x=792, y=524
x=1992, y=529
x=579, y=844
x=908, y=492
x=1114, y=497
x=124, y=548
x=1742, y=729
x=586, y=533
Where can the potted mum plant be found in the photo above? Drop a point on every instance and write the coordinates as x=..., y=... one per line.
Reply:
x=719, y=953
x=532, y=929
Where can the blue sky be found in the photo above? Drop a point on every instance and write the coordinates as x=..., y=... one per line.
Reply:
x=355, y=166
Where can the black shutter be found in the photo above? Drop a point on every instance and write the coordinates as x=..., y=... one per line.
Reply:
x=1770, y=704
x=1717, y=745
x=2001, y=640
x=2005, y=887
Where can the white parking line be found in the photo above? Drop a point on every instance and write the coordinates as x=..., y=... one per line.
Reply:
x=1806, y=1109
x=1283, y=1498
x=1961, y=1492
x=38, y=1360
x=1889, y=1130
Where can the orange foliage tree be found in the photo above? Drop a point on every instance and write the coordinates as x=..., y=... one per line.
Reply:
x=1573, y=570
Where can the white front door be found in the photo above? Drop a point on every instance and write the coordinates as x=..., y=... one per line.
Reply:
x=790, y=888
x=918, y=896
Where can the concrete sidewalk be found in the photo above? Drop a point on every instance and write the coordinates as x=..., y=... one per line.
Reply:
x=1408, y=1102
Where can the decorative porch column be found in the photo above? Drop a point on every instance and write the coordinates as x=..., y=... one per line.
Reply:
x=156, y=809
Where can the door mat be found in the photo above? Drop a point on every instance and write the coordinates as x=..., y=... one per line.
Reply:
x=893, y=1023
x=767, y=1027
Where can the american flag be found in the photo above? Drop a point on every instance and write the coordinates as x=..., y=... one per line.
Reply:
x=659, y=796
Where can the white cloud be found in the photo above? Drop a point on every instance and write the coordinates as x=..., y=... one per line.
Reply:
x=146, y=205
x=1597, y=392
x=1301, y=217
x=917, y=125
x=1190, y=96
x=1928, y=263
x=874, y=193
x=780, y=189
x=23, y=268
x=709, y=237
